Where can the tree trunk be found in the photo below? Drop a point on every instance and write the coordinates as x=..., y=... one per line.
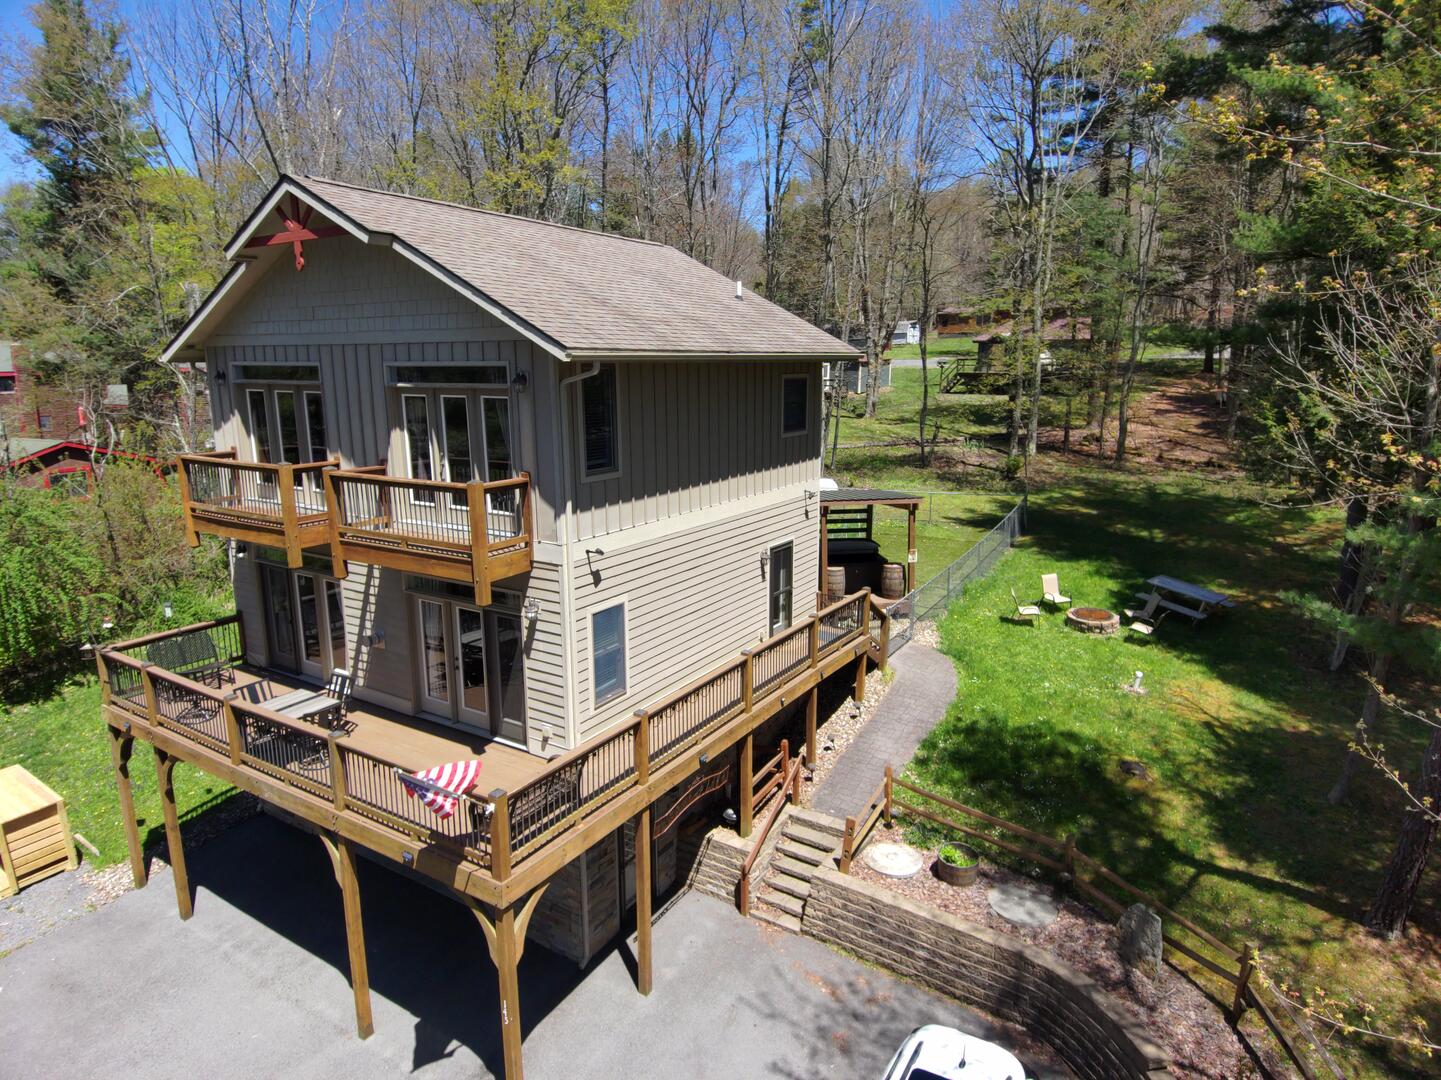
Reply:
x=1392, y=905
x=1213, y=309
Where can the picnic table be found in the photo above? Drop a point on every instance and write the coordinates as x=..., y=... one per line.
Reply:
x=314, y=706
x=1204, y=600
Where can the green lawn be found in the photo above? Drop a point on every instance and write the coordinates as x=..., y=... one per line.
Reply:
x=1242, y=728
x=62, y=741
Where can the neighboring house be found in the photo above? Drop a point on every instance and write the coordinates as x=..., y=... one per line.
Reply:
x=532, y=489
x=853, y=375
x=1061, y=331
x=964, y=322
x=907, y=332
x=67, y=465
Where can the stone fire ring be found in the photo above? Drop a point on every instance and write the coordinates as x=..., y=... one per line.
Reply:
x=1093, y=620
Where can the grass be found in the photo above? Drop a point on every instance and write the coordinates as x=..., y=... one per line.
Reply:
x=1242, y=729
x=62, y=741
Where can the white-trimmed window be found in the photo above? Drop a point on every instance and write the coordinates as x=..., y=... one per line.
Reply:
x=600, y=433
x=795, y=404
x=607, y=653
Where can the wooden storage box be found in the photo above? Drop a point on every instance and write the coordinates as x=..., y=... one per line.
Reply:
x=35, y=839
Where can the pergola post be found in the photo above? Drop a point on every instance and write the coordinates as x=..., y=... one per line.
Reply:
x=505, y=936
x=121, y=746
x=825, y=552
x=643, y=901
x=812, y=701
x=342, y=861
x=746, y=786
x=165, y=774
x=911, y=547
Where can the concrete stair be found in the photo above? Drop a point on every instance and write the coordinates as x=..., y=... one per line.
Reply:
x=807, y=842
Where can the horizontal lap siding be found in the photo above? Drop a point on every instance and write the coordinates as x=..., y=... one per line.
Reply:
x=377, y=628
x=694, y=598
x=545, y=682
x=694, y=436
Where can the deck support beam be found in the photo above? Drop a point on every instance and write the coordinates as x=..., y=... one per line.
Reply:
x=121, y=747
x=859, y=693
x=643, y=900
x=747, y=784
x=342, y=861
x=812, y=706
x=505, y=936
x=165, y=774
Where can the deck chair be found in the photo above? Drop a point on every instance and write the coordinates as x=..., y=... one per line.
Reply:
x=1051, y=591
x=1029, y=612
x=1145, y=620
x=338, y=690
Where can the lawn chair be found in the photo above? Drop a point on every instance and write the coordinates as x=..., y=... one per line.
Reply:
x=338, y=689
x=1145, y=620
x=1029, y=612
x=1051, y=591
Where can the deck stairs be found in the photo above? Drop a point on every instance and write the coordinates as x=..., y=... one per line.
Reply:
x=802, y=842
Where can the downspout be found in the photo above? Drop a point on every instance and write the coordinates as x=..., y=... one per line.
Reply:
x=567, y=471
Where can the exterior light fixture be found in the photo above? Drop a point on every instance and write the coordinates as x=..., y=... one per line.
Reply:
x=519, y=382
x=531, y=609
x=169, y=610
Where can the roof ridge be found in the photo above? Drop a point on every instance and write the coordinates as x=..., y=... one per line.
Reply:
x=478, y=210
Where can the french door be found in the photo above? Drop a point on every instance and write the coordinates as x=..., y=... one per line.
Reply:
x=782, y=586
x=287, y=426
x=456, y=436
x=304, y=621
x=472, y=668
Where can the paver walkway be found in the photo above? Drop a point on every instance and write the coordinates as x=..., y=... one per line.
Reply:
x=923, y=688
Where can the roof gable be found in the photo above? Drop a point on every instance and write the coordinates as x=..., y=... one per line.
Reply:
x=577, y=293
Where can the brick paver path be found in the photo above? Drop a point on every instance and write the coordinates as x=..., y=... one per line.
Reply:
x=923, y=688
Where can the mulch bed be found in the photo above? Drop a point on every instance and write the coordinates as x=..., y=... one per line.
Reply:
x=1174, y=1010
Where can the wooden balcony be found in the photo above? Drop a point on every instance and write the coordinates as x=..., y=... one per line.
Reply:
x=281, y=506
x=477, y=533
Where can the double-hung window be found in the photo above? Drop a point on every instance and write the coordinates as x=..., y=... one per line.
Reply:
x=607, y=653
x=600, y=432
x=795, y=404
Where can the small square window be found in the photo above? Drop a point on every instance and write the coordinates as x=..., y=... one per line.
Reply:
x=607, y=652
x=796, y=405
x=7, y=382
x=42, y=421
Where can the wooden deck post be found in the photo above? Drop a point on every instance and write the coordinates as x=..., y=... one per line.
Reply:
x=825, y=552
x=289, y=518
x=859, y=692
x=479, y=542
x=165, y=773
x=745, y=810
x=911, y=548
x=500, y=834
x=812, y=705
x=182, y=474
x=643, y=900
x=342, y=860
x=121, y=746
x=332, y=504
x=505, y=936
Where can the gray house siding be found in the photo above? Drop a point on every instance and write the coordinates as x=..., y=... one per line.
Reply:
x=695, y=435
x=695, y=596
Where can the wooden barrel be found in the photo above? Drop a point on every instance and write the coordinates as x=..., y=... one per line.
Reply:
x=893, y=581
x=835, y=581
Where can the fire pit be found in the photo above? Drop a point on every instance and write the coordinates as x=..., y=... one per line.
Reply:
x=1093, y=620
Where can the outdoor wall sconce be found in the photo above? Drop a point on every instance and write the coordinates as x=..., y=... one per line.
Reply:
x=530, y=609
x=221, y=375
x=519, y=382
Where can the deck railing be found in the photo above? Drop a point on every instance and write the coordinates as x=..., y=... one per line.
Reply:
x=496, y=832
x=302, y=756
x=580, y=782
x=472, y=532
x=282, y=505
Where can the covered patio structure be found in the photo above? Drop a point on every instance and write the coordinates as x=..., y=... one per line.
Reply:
x=849, y=551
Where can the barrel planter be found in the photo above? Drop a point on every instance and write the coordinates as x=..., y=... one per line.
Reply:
x=893, y=581
x=835, y=581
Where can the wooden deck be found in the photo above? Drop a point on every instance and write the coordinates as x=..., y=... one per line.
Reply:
x=411, y=742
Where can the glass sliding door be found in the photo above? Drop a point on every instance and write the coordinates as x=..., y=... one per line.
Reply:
x=472, y=665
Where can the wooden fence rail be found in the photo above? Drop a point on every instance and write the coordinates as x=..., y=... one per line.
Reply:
x=1235, y=968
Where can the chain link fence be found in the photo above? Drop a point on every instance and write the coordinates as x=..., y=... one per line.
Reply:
x=929, y=600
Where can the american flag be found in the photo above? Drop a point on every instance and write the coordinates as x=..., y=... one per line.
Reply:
x=438, y=787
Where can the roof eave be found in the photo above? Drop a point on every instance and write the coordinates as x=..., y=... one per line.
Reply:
x=617, y=355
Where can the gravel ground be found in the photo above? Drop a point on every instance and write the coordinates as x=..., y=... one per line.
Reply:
x=47, y=905
x=1177, y=1014
x=836, y=731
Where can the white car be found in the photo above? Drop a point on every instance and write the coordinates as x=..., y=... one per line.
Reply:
x=936, y=1052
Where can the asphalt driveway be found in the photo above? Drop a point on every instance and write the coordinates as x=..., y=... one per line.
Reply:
x=255, y=986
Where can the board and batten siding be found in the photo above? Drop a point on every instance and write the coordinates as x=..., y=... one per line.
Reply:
x=695, y=596
x=695, y=435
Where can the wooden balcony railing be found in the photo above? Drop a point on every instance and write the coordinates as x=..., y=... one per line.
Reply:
x=280, y=506
x=310, y=760
x=326, y=776
x=478, y=533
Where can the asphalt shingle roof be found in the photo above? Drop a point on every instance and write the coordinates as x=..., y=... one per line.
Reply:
x=589, y=291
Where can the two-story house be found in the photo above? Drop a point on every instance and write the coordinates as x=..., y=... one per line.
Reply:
x=548, y=499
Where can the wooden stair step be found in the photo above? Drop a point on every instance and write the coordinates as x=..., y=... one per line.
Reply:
x=791, y=905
